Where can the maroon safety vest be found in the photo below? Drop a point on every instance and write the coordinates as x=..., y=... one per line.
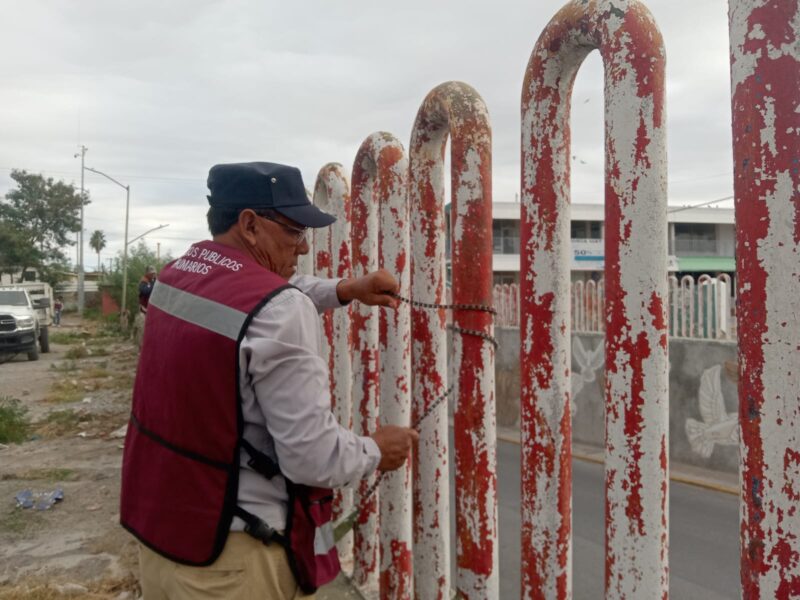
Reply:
x=180, y=466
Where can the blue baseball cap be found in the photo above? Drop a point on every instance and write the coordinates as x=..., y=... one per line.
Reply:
x=265, y=185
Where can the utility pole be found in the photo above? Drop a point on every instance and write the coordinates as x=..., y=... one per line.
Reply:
x=127, y=189
x=81, y=296
x=158, y=252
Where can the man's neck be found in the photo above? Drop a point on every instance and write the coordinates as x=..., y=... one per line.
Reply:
x=232, y=240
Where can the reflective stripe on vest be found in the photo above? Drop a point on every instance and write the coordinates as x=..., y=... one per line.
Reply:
x=323, y=539
x=181, y=460
x=202, y=312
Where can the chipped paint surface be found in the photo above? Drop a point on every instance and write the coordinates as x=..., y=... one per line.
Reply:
x=636, y=347
x=456, y=110
x=305, y=262
x=382, y=368
x=332, y=259
x=765, y=72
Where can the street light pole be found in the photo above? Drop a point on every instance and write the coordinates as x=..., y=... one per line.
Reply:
x=81, y=293
x=125, y=254
x=125, y=244
x=138, y=237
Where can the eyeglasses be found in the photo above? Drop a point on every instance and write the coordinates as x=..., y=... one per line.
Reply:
x=298, y=234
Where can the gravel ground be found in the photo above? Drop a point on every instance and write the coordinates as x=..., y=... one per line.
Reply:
x=78, y=399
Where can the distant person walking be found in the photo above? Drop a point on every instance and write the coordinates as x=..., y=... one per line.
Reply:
x=146, y=287
x=58, y=306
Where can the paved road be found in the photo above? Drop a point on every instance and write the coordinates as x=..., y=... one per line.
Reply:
x=704, y=555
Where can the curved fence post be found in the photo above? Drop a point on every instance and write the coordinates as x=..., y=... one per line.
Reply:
x=499, y=304
x=305, y=262
x=505, y=302
x=687, y=294
x=601, y=293
x=579, y=302
x=724, y=291
x=366, y=369
x=672, y=284
x=705, y=306
x=636, y=332
x=591, y=305
x=382, y=341
x=455, y=109
x=332, y=259
x=765, y=71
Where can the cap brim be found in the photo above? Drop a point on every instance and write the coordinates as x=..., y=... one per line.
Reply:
x=306, y=215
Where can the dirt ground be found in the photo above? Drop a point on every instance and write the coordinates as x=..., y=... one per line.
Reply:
x=77, y=398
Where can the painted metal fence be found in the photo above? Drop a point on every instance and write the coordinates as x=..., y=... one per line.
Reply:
x=700, y=310
x=382, y=365
x=332, y=259
x=637, y=305
x=396, y=221
x=765, y=84
x=636, y=326
x=456, y=111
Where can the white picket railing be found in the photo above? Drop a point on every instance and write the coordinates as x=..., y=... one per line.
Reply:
x=698, y=308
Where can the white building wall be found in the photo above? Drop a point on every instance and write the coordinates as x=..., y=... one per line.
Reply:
x=726, y=239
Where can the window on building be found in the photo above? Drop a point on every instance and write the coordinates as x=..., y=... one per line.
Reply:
x=505, y=233
x=502, y=277
x=586, y=230
x=695, y=238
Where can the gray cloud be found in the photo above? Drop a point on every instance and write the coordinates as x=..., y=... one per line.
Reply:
x=160, y=91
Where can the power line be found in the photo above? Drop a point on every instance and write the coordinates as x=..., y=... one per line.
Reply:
x=673, y=181
x=153, y=177
x=681, y=208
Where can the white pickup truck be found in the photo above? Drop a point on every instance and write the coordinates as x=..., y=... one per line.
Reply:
x=23, y=322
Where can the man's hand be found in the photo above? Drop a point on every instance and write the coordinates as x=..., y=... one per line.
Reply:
x=395, y=444
x=374, y=289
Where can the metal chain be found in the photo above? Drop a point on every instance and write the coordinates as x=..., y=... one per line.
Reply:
x=477, y=307
x=348, y=522
x=433, y=405
x=476, y=333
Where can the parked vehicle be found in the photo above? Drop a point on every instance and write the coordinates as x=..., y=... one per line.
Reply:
x=24, y=322
x=42, y=298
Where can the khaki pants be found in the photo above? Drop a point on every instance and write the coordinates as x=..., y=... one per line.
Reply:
x=246, y=569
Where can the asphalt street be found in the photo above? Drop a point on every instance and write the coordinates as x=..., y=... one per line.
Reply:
x=704, y=534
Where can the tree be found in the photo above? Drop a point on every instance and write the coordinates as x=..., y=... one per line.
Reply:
x=139, y=258
x=15, y=249
x=97, y=243
x=37, y=219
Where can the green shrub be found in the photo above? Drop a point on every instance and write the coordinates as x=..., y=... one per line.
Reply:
x=67, y=337
x=76, y=352
x=14, y=423
x=61, y=422
x=64, y=367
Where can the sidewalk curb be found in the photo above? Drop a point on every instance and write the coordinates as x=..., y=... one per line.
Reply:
x=678, y=477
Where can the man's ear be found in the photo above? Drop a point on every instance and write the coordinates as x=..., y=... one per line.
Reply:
x=248, y=226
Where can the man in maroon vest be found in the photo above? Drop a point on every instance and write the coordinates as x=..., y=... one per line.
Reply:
x=231, y=434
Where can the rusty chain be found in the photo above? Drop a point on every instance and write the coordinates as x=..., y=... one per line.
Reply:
x=476, y=307
x=348, y=522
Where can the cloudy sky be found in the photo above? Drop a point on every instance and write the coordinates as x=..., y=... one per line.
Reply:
x=161, y=90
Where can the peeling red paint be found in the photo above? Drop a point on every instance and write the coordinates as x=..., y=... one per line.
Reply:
x=380, y=239
x=332, y=259
x=636, y=342
x=765, y=69
x=393, y=584
x=455, y=110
